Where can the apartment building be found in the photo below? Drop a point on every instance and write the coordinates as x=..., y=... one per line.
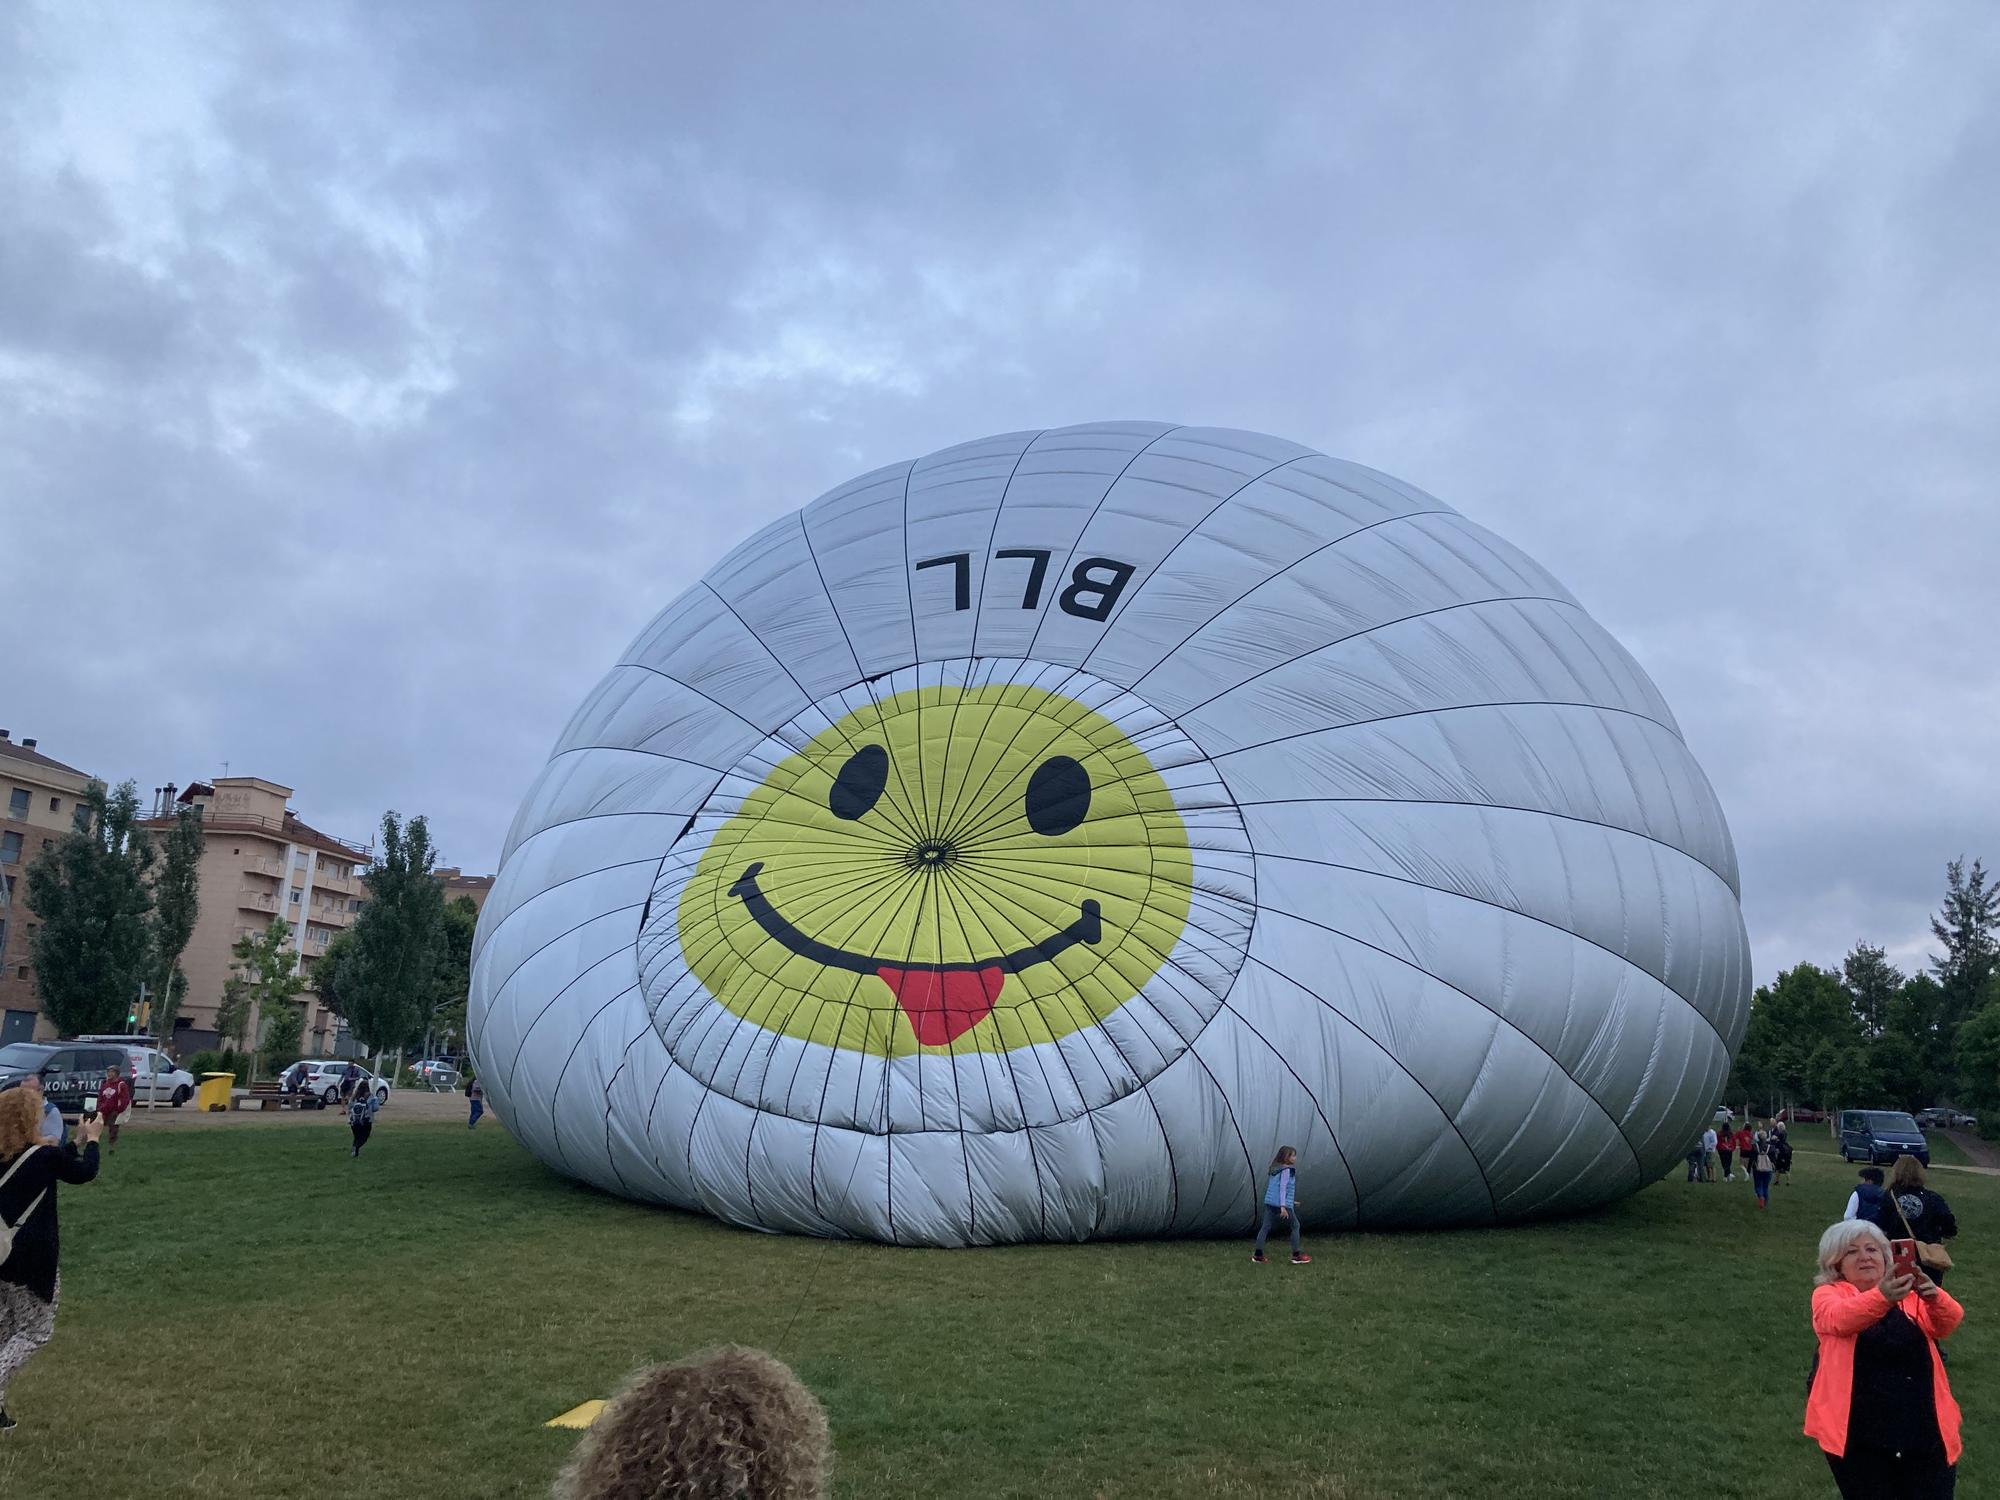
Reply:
x=260, y=860
x=456, y=883
x=41, y=799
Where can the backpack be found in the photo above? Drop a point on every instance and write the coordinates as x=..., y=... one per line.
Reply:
x=8, y=1231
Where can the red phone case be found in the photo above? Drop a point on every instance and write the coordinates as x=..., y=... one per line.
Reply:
x=1903, y=1257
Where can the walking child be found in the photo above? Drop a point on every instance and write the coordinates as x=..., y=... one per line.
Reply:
x=1281, y=1202
x=361, y=1117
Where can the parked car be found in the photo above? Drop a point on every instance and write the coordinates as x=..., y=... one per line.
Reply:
x=154, y=1075
x=1802, y=1114
x=70, y=1071
x=1723, y=1115
x=1880, y=1136
x=328, y=1074
x=1945, y=1116
x=439, y=1071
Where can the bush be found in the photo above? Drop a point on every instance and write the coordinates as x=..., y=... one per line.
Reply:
x=226, y=1061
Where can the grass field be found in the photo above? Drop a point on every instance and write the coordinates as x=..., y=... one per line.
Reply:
x=249, y=1313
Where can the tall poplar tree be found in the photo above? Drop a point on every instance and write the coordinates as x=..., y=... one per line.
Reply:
x=176, y=905
x=90, y=895
x=388, y=980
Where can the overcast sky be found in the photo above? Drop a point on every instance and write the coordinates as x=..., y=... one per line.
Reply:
x=369, y=376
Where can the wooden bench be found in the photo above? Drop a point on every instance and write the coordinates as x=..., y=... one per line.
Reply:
x=270, y=1096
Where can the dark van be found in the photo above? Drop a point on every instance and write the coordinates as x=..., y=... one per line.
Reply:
x=1880, y=1136
x=71, y=1071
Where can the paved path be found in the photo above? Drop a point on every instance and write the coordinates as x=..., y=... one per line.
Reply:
x=1982, y=1152
x=405, y=1107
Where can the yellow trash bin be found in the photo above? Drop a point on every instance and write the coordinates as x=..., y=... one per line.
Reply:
x=214, y=1091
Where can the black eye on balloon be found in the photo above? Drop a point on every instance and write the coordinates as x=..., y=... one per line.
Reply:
x=860, y=782
x=1058, y=796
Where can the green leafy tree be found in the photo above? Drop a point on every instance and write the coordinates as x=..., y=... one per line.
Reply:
x=1791, y=1021
x=1872, y=983
x=176, y=905
x=90, y=895
x=262, y=997
x=1977, y=1054
x=388, y=983
x=1916, y=1014
x=1969, y=928
x=461, y=921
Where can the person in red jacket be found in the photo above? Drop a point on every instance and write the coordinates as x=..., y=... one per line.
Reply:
x=1745, y=1142
x=1879, y=1405
x=114, y=1097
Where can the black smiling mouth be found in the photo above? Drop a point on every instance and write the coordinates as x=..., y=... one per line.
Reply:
x=1087, y=928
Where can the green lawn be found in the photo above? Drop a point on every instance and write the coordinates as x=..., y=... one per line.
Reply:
x=454, y=1296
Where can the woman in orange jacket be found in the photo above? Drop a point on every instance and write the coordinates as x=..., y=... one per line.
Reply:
x=1880, y=1406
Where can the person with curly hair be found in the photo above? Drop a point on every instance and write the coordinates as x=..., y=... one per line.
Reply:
x=30, y=1285
x=730, y=1424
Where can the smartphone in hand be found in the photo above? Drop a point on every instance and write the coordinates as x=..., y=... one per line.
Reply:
x=1902, y=1257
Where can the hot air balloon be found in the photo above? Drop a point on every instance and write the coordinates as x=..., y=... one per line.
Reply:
x=1022, y=842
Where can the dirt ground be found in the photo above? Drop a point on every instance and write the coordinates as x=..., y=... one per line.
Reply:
x=405, y=1106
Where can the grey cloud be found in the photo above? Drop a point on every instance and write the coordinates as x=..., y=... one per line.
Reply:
x=429, y=351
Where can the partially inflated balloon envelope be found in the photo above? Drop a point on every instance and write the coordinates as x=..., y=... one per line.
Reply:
x=1023, y=842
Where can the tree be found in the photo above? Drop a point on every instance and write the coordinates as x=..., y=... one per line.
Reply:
x=261, y=999
x=333, y=970
x=1969, y=928
x=176, y=904
x=1871, y=982
x=89, y=894
x=1977, y=1054
x=461, y=922
x=388, y=984
x=1798, y=1027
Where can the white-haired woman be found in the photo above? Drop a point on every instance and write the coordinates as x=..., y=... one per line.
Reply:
x=1880, y=1406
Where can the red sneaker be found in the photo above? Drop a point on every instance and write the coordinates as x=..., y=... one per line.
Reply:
x=1302, y=1260
x=1258, y=1256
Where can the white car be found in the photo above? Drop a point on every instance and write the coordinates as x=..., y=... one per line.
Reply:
x=155, y=1077
x=327, y=1076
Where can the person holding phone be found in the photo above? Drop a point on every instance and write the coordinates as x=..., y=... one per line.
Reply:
x=30, y=1282
x=1880, y=1406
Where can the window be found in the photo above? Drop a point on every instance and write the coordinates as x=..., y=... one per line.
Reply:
x=3, y=934
x=10, y=848
x=17, y=803
x=298, y=861
x=295, y=895
x=48, y=843
x=79, y=817
x=55, y=804
x=22, y=972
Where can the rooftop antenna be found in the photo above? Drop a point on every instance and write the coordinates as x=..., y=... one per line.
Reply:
x=225, y=768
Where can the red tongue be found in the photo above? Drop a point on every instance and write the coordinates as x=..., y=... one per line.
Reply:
x=944, y=1004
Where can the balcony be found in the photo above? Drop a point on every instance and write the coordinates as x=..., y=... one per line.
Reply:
x=250, y=900
x=271, y=867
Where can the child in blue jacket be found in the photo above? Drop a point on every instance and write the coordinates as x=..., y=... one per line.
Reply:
x=1281, y=1201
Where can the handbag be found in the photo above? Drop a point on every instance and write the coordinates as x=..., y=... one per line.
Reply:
x=7, y=1231
x=1930, y=1257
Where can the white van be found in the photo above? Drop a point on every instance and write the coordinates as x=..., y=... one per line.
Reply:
x=154, y=1076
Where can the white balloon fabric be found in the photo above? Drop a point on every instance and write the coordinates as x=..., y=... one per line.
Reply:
x=1024, y=842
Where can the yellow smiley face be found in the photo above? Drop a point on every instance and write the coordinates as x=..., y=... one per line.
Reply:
x=976, y=867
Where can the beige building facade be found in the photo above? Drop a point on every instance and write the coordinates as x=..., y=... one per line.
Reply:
x=259, y=861
x=456, y=883
x=41, y=799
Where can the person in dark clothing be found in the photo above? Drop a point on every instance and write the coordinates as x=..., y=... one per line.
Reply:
x=30, y=1281
x=1866, y=1197
x=1695, y=1156
x=1909, y=1210
x=1781, y=1152
x=361, y=1118
x=477, y=1096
